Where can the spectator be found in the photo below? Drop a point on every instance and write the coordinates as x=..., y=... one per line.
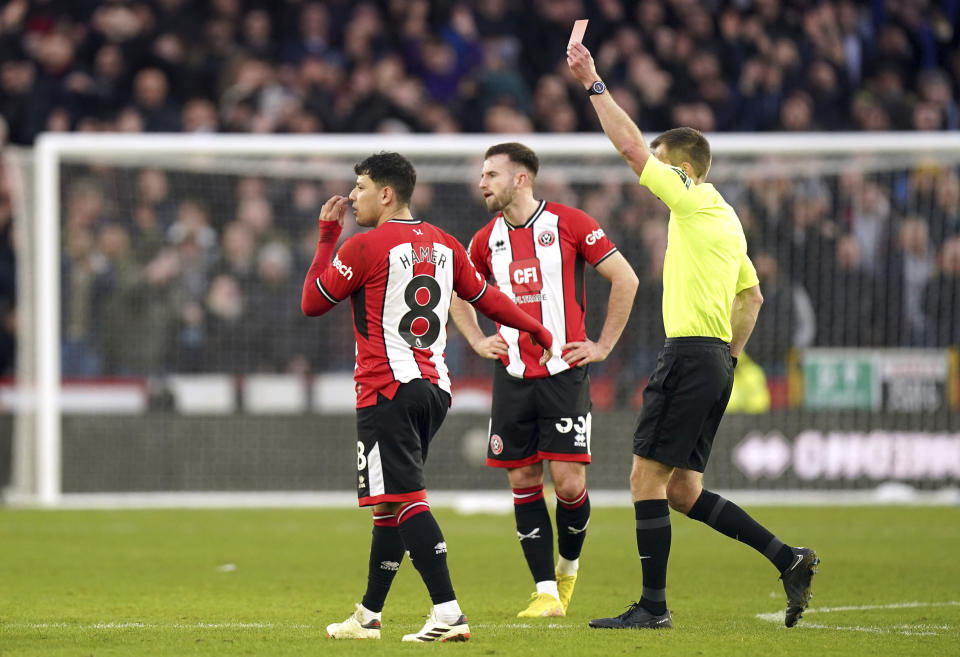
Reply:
x=313, y=38
x=945, y=214
x=901, y=293
x=238, y=254
x=151, y=99
x=199, y=115
x=8, y=338
x=870, y=223
x=934, y=87
x=228, y=341
x=846, y=316
x=55, y=56
x=275, y=318
x=788, y=319
x=942, y=297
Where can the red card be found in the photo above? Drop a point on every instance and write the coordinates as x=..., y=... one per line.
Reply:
x=579, y=29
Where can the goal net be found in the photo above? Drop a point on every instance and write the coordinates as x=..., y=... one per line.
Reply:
x=162, y=350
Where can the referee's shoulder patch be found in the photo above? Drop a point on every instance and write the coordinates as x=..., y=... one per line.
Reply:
x=683, y=176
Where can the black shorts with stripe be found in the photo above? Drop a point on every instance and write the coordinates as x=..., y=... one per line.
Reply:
x=392, y=442
x=684, y=402
x=545, y=419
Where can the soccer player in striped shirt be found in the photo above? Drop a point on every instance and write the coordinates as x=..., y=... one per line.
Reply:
x=536, y=251
x=711, y=297
x=400, y=278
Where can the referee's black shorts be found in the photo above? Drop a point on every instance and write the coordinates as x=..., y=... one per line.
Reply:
x=684, y=402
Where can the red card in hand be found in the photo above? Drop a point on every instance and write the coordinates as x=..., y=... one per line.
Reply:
x=579, y=29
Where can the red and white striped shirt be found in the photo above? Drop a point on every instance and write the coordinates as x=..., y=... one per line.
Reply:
x=539, y=265
x=400, y=279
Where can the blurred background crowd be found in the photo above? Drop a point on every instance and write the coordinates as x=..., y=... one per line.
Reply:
x=847, y=260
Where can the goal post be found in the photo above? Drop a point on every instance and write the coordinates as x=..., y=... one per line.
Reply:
x=212, y=167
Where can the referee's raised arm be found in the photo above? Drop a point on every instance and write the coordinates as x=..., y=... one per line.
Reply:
x=618, y=126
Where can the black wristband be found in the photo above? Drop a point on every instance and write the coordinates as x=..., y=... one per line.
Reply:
x=734, y=359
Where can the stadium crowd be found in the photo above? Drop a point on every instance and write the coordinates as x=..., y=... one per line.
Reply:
x=848, y=260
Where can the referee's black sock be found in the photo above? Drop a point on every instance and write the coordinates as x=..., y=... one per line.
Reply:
x=386, y=553
x=653, y=544
x=535, y=531
x=428, y=551
x=572, y=518
x=730, y=520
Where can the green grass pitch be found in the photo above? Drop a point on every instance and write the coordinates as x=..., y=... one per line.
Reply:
x=267, y=582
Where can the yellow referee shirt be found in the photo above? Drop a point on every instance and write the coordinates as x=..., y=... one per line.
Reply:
x=706, y=263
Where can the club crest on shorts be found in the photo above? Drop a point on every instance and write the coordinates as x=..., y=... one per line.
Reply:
x=546, y=238
x=496, y=444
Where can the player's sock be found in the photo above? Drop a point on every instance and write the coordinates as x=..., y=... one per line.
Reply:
x=448, y=612
x=535, y=531
x=653, y=544
x=730, y=520
x=386, y=553
x=549, y=587
x=428, y=551
x=567, y=566
x=573, y=516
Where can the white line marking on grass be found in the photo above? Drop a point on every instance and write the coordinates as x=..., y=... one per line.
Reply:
x=156, y=626
x=910, y=630
x=518, y=626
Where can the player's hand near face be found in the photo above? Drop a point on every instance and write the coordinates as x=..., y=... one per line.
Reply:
x=580, y=354
x=334, y=209
x=581, y=64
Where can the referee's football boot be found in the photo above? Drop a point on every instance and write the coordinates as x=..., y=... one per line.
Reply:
x=543, y=605
x=796, y=583
x=635, y=618
x=435, y=630
x=565, y=584
x=354, y=627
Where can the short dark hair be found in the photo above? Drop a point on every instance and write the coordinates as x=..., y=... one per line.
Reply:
x=390, y=170
x=516, y=152
x=686, y=145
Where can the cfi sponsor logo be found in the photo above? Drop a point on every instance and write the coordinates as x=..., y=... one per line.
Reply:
x=546, y=238
x=496, y=444
x=390, y=565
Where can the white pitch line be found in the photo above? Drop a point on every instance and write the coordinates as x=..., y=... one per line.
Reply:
x=910, y=630
x=519, y=626
x=155, y=626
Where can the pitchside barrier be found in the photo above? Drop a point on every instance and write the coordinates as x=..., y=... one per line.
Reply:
x=161, y=348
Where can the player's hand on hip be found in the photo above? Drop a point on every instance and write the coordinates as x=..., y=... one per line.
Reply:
x=581, y=64
x=334, y=209
x=492, y=346
x=547, y=350
x=580, y=354
x=547, y=355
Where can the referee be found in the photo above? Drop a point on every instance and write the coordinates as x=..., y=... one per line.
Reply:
x=711, y=297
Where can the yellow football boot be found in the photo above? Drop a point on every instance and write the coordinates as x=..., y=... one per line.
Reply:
x=565, y=584
x=542, y=605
